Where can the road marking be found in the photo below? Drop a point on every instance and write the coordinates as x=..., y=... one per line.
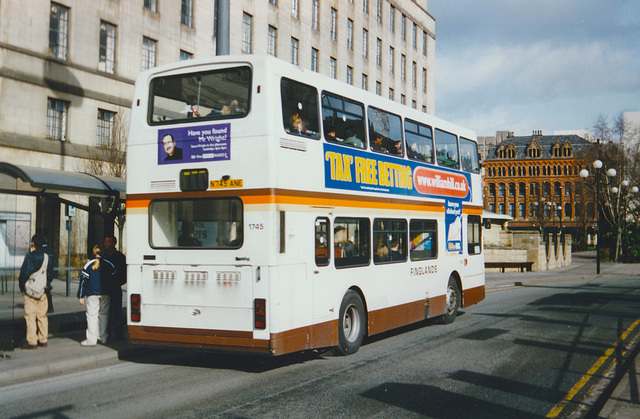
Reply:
x=557, y=409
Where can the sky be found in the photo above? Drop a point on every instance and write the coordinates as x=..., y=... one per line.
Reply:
x=523, y=65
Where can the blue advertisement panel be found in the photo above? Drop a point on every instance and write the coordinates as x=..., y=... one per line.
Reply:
x=194, y=144
x=357, y=170
x=453, y=223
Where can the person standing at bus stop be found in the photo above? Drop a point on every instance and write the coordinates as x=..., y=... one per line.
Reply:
x=116, y=326
x=96, y=279
x=32, y=282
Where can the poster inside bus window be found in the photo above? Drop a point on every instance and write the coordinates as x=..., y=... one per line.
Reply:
x=194, y=144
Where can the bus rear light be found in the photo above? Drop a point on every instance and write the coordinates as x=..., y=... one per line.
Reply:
x=260, y=313
x=135, y=304
x=196, y=275
x=164, y=275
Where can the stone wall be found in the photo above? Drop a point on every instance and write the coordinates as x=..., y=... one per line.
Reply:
x=523, y=246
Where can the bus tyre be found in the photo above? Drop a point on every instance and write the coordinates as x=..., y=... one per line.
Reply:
x=453, y=297
x=351, y=323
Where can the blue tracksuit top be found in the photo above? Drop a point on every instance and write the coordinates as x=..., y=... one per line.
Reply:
x=98, y=282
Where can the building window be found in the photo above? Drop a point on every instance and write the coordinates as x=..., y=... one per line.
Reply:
x=106, y=124
x=350, y=34
x=414, y=70
x=378, y=51
x=392, y=94
x=379, y=11
x=315, y=14
x=403, y=99
x=414, y=39
x=424, y=109
x=512, y=210
x=184, y=55
x=501, y=189
x=392, y=60
x=215, y=18
x=58, y=31
x=414, y=104
x=273, y=37
x=365, y=6
x=492, y=207
x=151, y=5
x=295, y=12
x=314, y=59
x=501, y=206
x=403, y=27
x=403, y=67
x=512, y=189
x=294, y=50
x=107, y=60
x=424, y=43
x=350, y=75
x=187, y=13
x=149, y=47
x=392, y=18
x=57, y=119
x=492, y=189
x=334, y=24
x=247, y=21
x=274, y=2
x=378, y=88
x=424, y=80
x=365, y=82
x=333, y=63
x=365, y=43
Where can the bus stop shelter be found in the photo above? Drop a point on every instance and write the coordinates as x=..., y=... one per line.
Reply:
x=56, y=187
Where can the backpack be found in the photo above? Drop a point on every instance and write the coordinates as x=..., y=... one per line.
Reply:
x=35, y=285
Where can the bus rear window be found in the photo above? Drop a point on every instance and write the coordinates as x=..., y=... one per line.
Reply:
x=203, y=223
x=218, y=94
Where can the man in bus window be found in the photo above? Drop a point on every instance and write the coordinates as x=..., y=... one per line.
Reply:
x=395, y=250
x=351, y=138
x=173, y=152
x=341, y=242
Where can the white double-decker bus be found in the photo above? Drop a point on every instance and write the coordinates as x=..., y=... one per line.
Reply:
x=271, y=209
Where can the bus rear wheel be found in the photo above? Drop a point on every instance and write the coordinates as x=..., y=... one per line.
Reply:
x=351, y=323
x=453, y=297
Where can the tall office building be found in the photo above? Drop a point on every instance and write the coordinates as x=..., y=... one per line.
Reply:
x=67, y=70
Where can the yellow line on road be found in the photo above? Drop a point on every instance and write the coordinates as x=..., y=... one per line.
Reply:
x=557, y=409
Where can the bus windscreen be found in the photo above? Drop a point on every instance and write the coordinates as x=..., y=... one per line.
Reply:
x=217, y=94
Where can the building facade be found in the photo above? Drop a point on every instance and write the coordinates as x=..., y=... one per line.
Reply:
x=67, y=71
x=535, y=179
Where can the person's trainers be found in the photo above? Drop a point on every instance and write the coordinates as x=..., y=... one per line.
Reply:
x=27, y=346
x=43, y=344
x=87, y=343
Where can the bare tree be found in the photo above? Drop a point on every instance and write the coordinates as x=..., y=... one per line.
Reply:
x=109, y=158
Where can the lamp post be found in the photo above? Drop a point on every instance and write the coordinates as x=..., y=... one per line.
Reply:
x=599, y=180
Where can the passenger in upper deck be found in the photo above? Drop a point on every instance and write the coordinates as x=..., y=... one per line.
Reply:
x=351, y=138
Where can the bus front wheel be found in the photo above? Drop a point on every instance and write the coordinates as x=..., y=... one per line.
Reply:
x=453, y=297
x=351, y=323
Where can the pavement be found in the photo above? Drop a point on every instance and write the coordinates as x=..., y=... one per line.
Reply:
x=67, y=329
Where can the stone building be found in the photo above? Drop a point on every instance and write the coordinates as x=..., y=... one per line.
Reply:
x=535, y=179
x=67, y=70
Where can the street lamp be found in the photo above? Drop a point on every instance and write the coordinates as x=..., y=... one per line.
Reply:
x=620, y=201
x=598, y=181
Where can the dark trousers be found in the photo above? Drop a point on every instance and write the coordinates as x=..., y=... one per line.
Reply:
x=116, y=324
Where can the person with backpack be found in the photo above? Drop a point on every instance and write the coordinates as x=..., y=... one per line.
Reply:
x=33, y=281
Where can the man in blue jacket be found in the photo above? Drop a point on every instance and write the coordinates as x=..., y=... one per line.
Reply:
x=35, y=308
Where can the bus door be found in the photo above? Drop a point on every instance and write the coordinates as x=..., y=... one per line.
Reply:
x=322, y=270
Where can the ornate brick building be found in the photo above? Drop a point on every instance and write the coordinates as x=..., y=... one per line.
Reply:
x=535, y=179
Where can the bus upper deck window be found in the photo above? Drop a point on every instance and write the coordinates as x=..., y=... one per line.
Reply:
x=419, y=138
x=218, y=94
x=343, y=121
x=447, y=149
x=299, y=109
x=469, y=156
x=385, y=132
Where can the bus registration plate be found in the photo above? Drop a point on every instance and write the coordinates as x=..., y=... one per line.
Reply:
x=226, y=183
